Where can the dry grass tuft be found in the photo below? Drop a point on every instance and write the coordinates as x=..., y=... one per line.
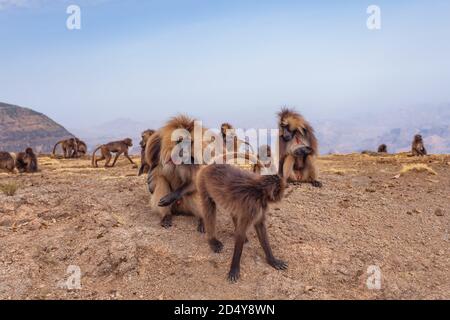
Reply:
x=9, y=189
x=417, y=167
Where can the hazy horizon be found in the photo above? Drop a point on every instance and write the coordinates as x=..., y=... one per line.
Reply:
x=235, y=61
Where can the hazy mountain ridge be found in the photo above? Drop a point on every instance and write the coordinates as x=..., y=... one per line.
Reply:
x=396, y=129
x=22, y=127
x=114, y=130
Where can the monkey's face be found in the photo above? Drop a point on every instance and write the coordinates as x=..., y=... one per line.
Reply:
x=418, y=138
x=128, y=142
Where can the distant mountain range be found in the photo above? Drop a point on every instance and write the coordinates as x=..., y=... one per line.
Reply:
x=21, y=128
x=395, y=128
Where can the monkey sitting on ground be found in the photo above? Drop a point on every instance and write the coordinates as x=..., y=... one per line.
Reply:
x=145, y=167
x=69, y=147
x=298, y=149
x=7, y=162
x=418, y=148
x=173, y=185
x=246, y=197
x=382, y=149
x=27, y=161
x=117, y=147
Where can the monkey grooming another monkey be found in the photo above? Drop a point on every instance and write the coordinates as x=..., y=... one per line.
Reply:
x=298, y=149
x=27, y=161
x=7, y=162
x=117, y=147
x=246, y=196
x=145, y=167
x=418, y=148
x=69, y=147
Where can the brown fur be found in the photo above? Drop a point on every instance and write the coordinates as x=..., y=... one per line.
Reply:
x=27, y=161
x=145, y=167
x=298, y=148
x=265, y=161
x=246, y=197
x=382, y=148
x=69, y=147
x=231, y=143
x=7, y=162
x=81, y=149
x=117, y=147
x=418, y=148
x=172, y=186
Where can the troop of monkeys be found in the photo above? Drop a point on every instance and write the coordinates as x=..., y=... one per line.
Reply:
x=200, y=189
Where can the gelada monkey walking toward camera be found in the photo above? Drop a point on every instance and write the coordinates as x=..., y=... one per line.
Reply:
x=298, y=148
x=117, y=147
x=418, y=148
x=246, y=196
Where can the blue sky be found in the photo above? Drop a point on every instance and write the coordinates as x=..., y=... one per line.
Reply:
x=221, y=60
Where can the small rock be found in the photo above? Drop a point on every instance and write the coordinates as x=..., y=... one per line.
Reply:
x=409, y=213
x=439, y=212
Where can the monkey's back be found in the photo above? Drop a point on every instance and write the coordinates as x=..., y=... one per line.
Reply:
x=231, y=188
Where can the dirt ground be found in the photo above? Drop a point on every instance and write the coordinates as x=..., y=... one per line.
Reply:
x=100, y=222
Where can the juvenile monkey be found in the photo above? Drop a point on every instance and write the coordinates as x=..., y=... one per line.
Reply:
x=418, y=148
x=27, y=161
x=69, y=147
x=7, y=162
x=117, y=147
x=246, y=196
x=298, y=148
x=145, y=167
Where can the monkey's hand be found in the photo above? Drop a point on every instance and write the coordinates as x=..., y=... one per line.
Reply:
x=169, y=199
x=278, y=264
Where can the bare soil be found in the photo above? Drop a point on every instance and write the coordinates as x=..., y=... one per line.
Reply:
x=99, y=220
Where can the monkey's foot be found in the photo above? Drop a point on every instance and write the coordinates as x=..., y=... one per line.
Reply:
x=234, y=275
x=201, y=226
x=166, y=222
x=216, y=245
x=278, y=264
x=317, y=184
x=168, y=200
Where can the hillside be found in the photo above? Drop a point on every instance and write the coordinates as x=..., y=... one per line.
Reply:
x=99, y=221
x=21, y=128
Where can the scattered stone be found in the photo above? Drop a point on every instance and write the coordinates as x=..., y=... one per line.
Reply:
x=439, y=212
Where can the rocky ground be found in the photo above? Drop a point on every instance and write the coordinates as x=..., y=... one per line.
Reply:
x=71, y=216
